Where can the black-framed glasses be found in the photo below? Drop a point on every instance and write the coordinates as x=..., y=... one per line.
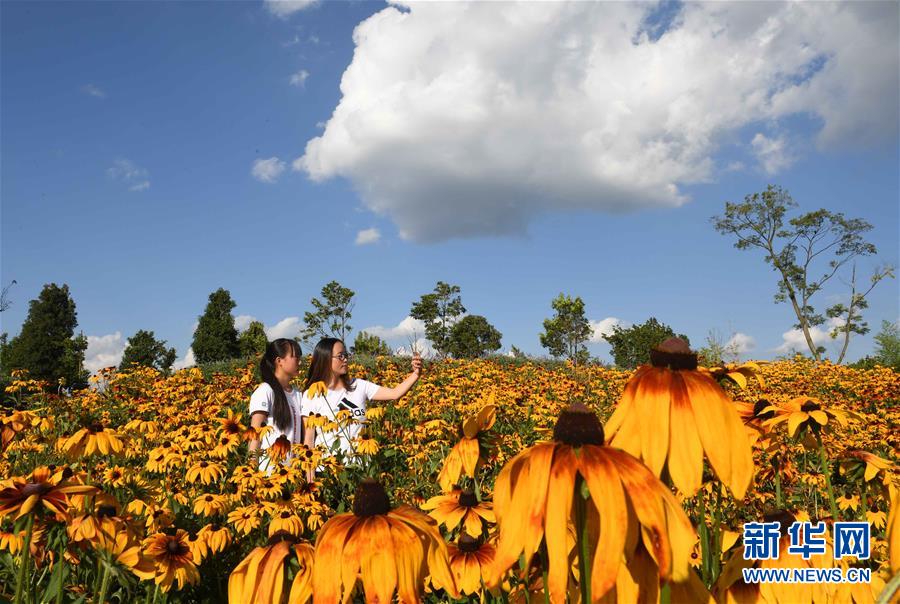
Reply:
x=342, y=356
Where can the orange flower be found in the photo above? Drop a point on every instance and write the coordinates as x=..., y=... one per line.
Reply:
x=260, y=576
x=537, y=490
x=671, y=414
x=470, y=562
x=21, y=496
x=466, y=454
x=461, y=507
x=93, y=438
x=393, y=548
x=804, y=412
x=171, y=554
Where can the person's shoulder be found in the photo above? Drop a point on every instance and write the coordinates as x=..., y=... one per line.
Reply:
x=263, y=389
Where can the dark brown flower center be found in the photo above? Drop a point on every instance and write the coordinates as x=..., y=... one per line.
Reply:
x=674, y=353
x=36, y=488
x=784, y=517
x=280, y=536
x=104, y=511
x=176, y=547
x=371, y=500
x=96, y=427
x=758, y=408
x=467, y=543
x=810, y=406
x=467, y=499
x=578, y=426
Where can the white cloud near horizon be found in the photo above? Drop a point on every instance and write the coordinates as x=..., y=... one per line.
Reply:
x=604, y=327
x=126, y=171
x=741, y=343
x=794, y=340
x=267, y=170
x=368, y=236
x=453, y=125
x=104, y=351
x=285, y=8
x=187, y=361
x=405, y=329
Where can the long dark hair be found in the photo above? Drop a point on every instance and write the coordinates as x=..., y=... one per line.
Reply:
x=281, y=411
x=320, y=366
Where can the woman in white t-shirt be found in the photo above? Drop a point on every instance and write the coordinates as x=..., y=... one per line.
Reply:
x=329, y=365
x=276, y=402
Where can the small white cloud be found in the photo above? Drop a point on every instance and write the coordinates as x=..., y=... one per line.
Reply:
x=93, y=91
x=104, y=351
x=292, y=42
x=367, y=236
x=795, y=341
x=242, y=322
x=267, y=170
x=772, y=153
x=407, y=328
x=603, y=328
x=285, y=8
x=740, y=343
x=187, y=361
x=734, y=166
x=126, y=171
x=288, y=327
x=299, y=79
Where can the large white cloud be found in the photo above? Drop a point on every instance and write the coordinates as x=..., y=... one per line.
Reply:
x=464, y=119
x=187, y=361
x=740, y=343
x=289, y=327
x=104, y=351
x=405, y=329
x=604, y=327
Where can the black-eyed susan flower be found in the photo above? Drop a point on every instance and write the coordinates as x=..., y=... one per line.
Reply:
x=317, y=389
x=260, y=576
x=124, y=549
x=893, y=531
x=461, y=508
x=12, y=541
x=172, y=559
x=199, y=547
x=865, y=466
x=366, y=445
x=210, y=504
x=115, y=476
x=470, y=563
x=739, y=374
x=671, y=414
x=245, y=519
x=538, y=489
x=393, y=549
x=286, y=521
x=205, y=472
x=231, y=425
x=803, y=412
x=374, y=413
x=21, y=496
x=217, y=537
x=91, y=439
x=279, y=449
x=466, y=455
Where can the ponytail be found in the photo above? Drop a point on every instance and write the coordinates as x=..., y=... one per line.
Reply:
x=281, y=411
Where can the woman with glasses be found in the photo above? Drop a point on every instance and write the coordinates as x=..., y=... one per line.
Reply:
x=329, y=365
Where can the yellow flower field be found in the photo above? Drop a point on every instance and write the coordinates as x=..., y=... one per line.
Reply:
x=490, y=481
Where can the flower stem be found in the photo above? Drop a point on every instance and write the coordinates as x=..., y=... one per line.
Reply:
x=824, y=460
x=104, y=585
x=704, y=541
x=863, y=502
x=62, y=572
x=25, y=561
x=779, y=503
x=584, y=555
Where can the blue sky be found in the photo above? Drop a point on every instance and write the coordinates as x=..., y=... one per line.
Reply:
x=153, y=152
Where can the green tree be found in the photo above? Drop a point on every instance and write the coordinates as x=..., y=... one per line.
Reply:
x=331, y=314
x=850, y=315
x=47, y=346
x=253, y=340
x=631, y=346
x=145, y=350
x=215, y=338
x=472, y=337
x=793, y=247
x=439, y=310
x=566, y=333
x=370, y=344
x=887, y=345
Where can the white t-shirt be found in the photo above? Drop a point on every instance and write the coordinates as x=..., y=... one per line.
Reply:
x=262, y=399
x=334, y=401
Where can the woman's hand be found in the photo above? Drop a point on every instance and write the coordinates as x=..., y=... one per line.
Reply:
x=416, y=364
